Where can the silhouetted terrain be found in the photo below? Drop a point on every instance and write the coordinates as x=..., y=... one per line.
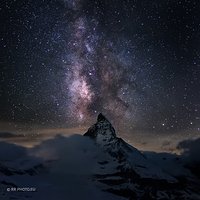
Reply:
x=98, y=165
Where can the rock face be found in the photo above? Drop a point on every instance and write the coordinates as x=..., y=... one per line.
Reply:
x=127, y=172
x=103, y=133
x=102, y=130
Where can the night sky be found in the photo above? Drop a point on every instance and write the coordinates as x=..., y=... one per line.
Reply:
x=64, y=61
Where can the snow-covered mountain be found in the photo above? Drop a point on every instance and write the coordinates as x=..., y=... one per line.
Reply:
x=98, y=165
x=130, y=158
x=134, y=175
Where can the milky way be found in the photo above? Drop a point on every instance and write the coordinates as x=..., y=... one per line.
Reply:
x=99, y=78
x=64, y=61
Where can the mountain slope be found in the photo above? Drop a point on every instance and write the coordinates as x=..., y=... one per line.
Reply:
x=130, y=173
x=98, y=165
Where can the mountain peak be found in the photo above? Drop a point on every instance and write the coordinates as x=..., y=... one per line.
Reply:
x=102, y=129
x=101, y=117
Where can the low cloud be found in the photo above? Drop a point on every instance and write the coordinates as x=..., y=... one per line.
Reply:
x=166, y=143
x=7, y=135
x=11, y=152
x=190, y=149
x=74, y=154
x=190, y=154
x=68, y=176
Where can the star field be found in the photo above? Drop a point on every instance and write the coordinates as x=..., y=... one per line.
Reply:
x=138, y=62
